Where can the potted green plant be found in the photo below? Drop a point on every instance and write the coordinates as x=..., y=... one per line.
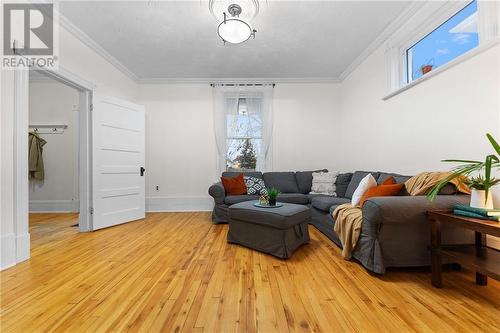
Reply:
x=478, y=186
x=272, y=194
x=471, y=167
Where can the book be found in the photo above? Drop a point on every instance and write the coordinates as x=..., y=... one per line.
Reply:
x=474, y=215
x=480, y=211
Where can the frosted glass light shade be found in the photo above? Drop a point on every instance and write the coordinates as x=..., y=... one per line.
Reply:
x=234, y=31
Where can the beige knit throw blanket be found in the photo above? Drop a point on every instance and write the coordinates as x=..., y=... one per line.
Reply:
x=348, y=218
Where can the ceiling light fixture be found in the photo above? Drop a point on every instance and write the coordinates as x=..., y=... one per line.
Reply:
x=235, y=28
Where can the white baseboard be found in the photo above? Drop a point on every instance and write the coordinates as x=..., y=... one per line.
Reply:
x=179, y=204
x=8, y=257
x=54, y=206
x=22, y=247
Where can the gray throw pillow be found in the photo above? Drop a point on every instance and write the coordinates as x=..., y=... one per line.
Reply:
x=255, y=186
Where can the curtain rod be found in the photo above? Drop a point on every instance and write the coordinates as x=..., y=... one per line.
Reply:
x=242, y=84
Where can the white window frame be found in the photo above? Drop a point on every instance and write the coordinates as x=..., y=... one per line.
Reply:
x=242, y=138
x=425, y=20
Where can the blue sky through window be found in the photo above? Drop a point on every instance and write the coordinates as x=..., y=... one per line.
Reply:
x=450, y=40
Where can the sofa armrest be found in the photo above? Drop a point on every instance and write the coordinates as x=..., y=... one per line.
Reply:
x=406, y=209
x=218, y=192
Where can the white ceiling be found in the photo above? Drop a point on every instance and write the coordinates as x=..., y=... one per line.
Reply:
x=178, y=39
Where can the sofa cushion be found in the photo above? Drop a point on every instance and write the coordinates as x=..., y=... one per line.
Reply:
x=399, y=179
x=324, y=202
x=341, y=184
x=234, y=185
x=356, y=179
x=233, y=199
x=304, y=180
x=256, y=174
x=255, y=186
x=324, y=183
x=295, y=198
x=283, y=181
x=385, y=189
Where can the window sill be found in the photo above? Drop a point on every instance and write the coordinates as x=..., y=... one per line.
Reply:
x=472, y=53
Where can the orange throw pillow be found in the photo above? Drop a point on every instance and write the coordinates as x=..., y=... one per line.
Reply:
x=234, y=185
x=386, y=189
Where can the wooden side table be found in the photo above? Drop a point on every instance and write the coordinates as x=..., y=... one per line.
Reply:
x=479, y=258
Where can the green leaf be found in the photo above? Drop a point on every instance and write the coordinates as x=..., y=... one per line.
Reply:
x=495, y=144
x=487, y=175
x=462, y=161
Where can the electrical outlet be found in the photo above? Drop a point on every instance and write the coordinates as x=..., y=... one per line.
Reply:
x=157, y=188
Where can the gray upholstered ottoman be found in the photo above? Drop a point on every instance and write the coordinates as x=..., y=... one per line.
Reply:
x=277, y=231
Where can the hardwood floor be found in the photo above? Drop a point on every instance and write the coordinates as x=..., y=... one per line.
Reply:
x=175, y=272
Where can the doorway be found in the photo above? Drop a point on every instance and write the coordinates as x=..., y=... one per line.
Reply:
x=53, y=154
x=111, y=147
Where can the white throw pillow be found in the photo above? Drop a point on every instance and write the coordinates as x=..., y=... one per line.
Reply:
x=364, y=185
x=324, y=183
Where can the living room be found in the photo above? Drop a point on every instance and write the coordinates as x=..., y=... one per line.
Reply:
x=313, y=88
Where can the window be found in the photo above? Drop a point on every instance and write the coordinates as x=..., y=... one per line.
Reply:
x=451, y=39
x=243, y=126
x=244, y=135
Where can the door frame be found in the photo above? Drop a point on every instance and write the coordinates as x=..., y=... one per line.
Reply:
x=21, y=122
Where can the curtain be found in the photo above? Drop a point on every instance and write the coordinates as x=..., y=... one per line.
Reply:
x=258, y=101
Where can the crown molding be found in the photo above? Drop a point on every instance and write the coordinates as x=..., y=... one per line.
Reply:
x=409, y=11
x=41, y=79
x=93, y=45
x=237, y=80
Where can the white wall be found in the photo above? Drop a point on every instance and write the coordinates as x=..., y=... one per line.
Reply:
x=446, y=116
x=180, y=143
x=56, y=103
x=306, y=127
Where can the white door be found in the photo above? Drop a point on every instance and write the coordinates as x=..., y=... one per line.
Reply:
x=118, y=147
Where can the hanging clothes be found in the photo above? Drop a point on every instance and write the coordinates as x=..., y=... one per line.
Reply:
x=35, y=156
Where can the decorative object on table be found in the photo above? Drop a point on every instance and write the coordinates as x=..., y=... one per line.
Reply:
x=478, y=186
x=272, y=193
x=234, y=185
x=267, y=205
x=478, y=213
x=255, y=186
x=470, y=167
x=264, y=199
x=324, y=183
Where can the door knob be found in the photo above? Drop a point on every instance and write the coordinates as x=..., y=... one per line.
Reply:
x=142, y=171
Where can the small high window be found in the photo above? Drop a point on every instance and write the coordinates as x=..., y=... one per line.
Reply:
x=451, y=39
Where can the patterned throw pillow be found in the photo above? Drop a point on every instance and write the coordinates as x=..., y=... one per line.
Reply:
x=255, y=186
x=324, y=183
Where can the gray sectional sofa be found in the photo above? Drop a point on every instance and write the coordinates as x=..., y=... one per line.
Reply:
x=395, y=232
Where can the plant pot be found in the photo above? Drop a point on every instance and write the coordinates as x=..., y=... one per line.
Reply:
x=478, y=199
x=272, y=201
x=426, y=69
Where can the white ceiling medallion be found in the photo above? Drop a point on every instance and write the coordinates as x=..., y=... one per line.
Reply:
x=236, y=15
